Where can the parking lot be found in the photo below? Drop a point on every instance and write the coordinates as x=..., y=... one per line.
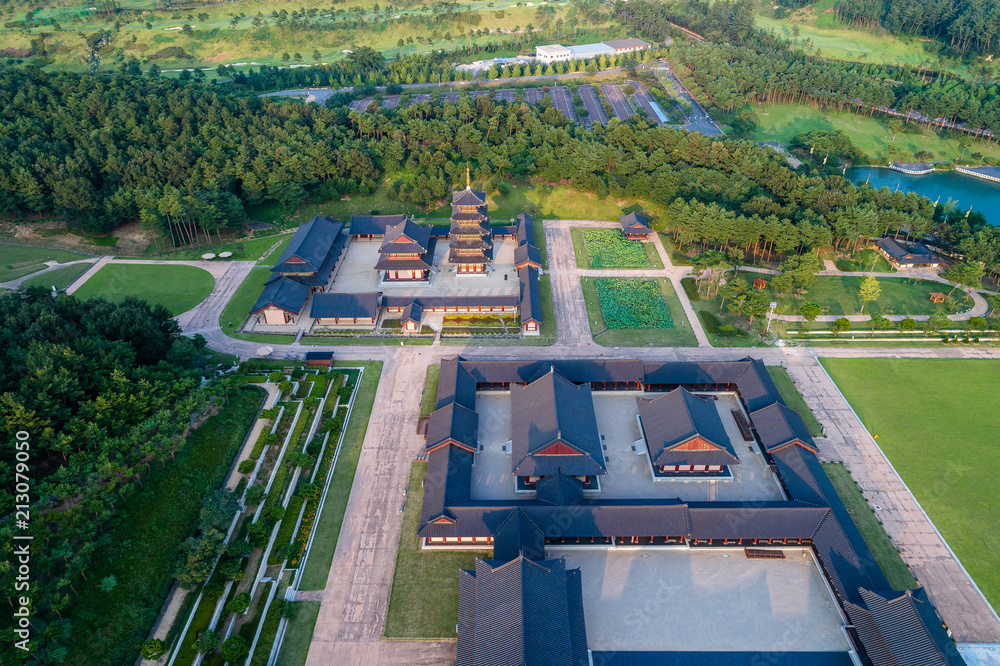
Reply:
x=665, y=599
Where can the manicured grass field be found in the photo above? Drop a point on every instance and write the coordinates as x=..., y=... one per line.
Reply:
x=935, y=421
x=680, y=335
x=878, y=541
x=429, y=397
x=868, y=261
x=253, y=248
x=60, y=278
x=838, y=295
x=298, y=635
x=178, y=288
x=27, y=259
x=793, y=399
x=423, y=602
x=782, y=122
x=609, y=248
x=332, y=517
x=238, y=307
x=851, y=43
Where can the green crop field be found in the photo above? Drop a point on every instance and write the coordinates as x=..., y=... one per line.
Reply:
x=782, y=122
x=934, y=419
x=178, y=288
x=648, y=302
x=609, y=248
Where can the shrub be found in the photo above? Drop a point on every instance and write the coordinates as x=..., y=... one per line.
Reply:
x=691, y=289
x=234, y=649
x=709, y=322
x=213, y=590
x=254, y=496
x=238, y=604
x=247, y=466
x=207, y=641
x=153, y=649
x=275, y=377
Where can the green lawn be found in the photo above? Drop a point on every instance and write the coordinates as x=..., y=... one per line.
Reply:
x=253, y=248
x=20, y=260
x=423, y=602
x=793, y=399
x=238, y=307
x=179, y=288
x=838, y=295
x=935, y=421
x=835, y=40
x=782, y=122
x=429, y=397
x=59, y=278
x=298, y=635
x=680, y=335
x=868, y=261
x=609, y=248
x=871, y=529
x=332, y=516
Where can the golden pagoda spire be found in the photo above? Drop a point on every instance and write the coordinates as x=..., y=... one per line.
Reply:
x=468, y=179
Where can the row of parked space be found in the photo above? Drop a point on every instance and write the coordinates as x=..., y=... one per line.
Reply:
x=622, y=105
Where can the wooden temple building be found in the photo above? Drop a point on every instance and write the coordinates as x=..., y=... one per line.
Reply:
x=406, y=253
x=470, y=247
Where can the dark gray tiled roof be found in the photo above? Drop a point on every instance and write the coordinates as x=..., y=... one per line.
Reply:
x=531, y=297
x=330, y=305
x=518, y=535
x=779, y=426
x=755, y=520
x=284, y=293
x=909, y=629
x=677, y=417
x=423, y=262
x=525, y=229
x=633, y=223
x=448, y=483
x=918, y=254
x=468, y=197
x=452, y=301
x=554, y=411
x=413, y=312
x=527, y=254
x=373, y=225
x=559, y=489
x=407, y=237
x=453, y=423
x=522, y=615
x=751, y=376
x=310, y=246
x=631, y=42
x=455, y=384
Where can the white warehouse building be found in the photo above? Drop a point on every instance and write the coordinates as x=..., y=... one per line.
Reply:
x=550, y=53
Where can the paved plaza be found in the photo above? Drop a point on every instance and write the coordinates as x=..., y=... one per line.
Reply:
x=659, y=599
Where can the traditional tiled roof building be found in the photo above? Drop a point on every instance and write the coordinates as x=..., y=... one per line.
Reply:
x=406, y=253
x=684, y=434
x=470, y=246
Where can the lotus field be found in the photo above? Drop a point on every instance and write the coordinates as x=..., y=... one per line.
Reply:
x=632, y=303
x=611, y=249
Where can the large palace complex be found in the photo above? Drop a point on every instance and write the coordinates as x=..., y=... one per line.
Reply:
x=550, y=485
x=325, y=280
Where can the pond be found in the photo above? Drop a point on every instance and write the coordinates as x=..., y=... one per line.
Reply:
x=982, y=195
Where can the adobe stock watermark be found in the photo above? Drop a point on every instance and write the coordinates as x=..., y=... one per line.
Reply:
x=22, y=540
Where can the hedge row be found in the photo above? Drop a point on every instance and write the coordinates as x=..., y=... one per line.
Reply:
x=268, y=632
x=285, y=531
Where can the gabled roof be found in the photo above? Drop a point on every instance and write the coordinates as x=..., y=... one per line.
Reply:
x=388, y=261
x=525, y=226
x=901, y=628
x=407, y=237
x=448, y=485
x=373, y=225
x=453, y=424
x=559, y=489
x=554, y=428
x=917, y=254
x=309, y=247
x=531, y=297
x=412, y=312
x=516, y=535
x=456, y=384
x=527, y=255
x=331, y=305
x=284, y=293
x=468, y=197
x=779, y=426
x=633, y=223
x=519, y=613
x=682, y=429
